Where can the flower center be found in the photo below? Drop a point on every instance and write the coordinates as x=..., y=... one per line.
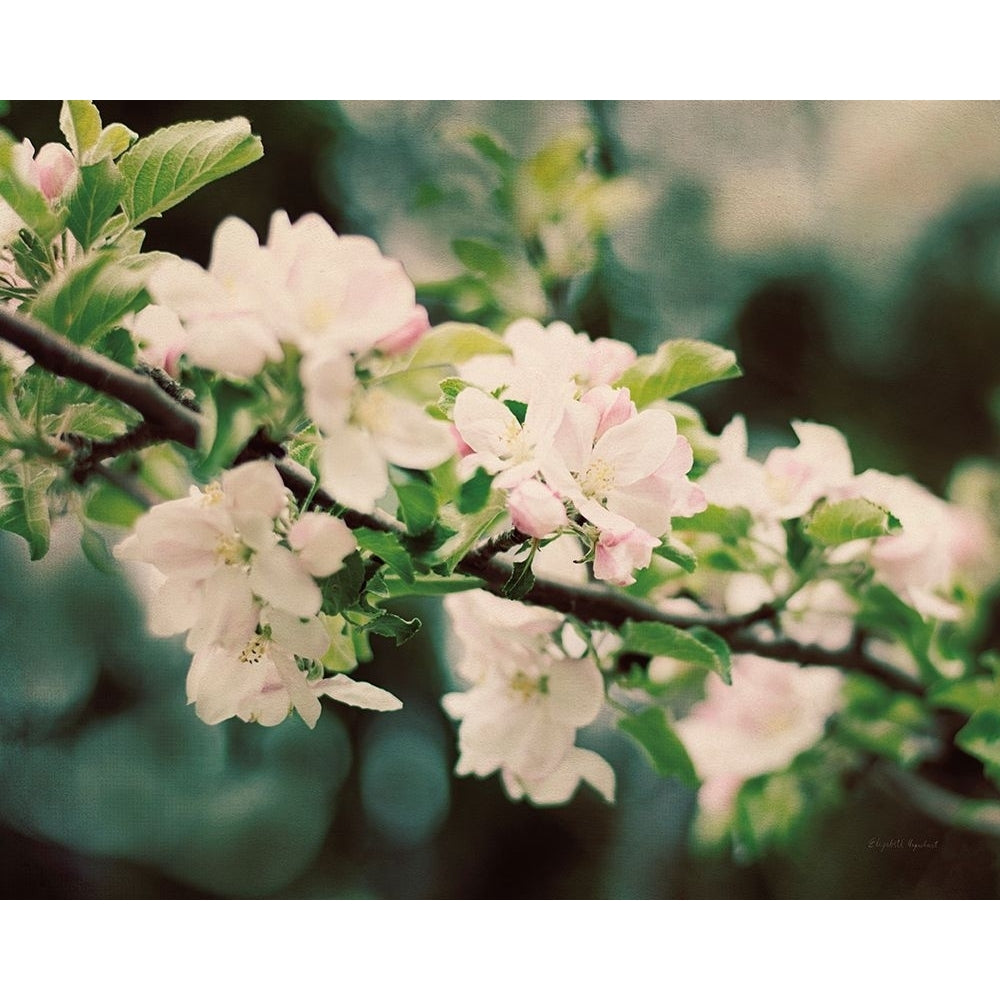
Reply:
x=597, y=480
x=231, y=550
x=527, y=686
x=371, y=411
x=255, y=650
x=212, y=496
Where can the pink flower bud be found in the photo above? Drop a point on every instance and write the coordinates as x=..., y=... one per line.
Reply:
x=56, y=170
x=401, y=340
x=535, y=509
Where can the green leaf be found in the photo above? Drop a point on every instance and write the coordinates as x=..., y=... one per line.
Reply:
x=80, y=122
x=729, y=523
x=678, y=365
x=474, y=492
x=95, y=548
x=719, y=646
x=110, y=505
x=450, y=344
x=29, y=203
x=967, y=695
x=661, y=639
x=980, y=736
x=24, y=506
x=679, y=554
x=343, y=589
x=519, y=409
x=490, y=148
x=480, y=258
x=170, y=165
x=521, y=579
x=393, y=626
x=90, y=297
x=388, y=548
x=429, y=586
x=469, y=529
x=114, y=140
x=418, y=505
x=94, y=200
x=667, y=753
x=894, y=725
x=840, y=521
x=236, y=417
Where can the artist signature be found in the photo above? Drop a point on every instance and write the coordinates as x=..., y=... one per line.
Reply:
x=902, y=844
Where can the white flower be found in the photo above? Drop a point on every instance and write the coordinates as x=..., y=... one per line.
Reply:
x=546, y=356
x=221, y=557
x=339, y=292
x=261, y=680
x=366, y=429
x=224, y=310
x=526, y=702
x=772, y=712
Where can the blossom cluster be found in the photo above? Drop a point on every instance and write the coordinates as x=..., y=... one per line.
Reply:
x=241, y=575
x=335, y=302
x=532, y=684
x=570, y=451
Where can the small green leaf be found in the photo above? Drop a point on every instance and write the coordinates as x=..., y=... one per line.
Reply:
x=418, y=505
x=840, y=521
x=24, y=198
x=388, y=624
x=95, y=548
x=729, y=523
x=679, y=554
x=94, y=200
x=114, y=140
x=678, y=365
x=661, y=639
x=490, y=148
x=894, y=725
x=968, y=694
x=388, y=548
x=719, y=646
x=450, y=344
x=474, y=492
x=24, y=505
x=521, y=579
x=980, y=736
x=80, y=122
x=343, y=590
x=170, y=165
x=110, y=505
x=480, y=258
x=429, y=586
x=667, y=753
x=90, y=297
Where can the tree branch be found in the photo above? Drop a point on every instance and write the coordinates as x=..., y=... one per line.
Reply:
x=170, y=417
x=174, y=420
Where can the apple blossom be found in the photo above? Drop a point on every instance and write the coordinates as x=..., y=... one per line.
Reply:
x=771, y=713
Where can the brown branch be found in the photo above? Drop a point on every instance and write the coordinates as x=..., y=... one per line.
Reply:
x=174, y=420
x=170, y=416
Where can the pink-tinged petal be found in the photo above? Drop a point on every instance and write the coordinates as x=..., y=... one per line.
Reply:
x=614, y=406
x=535, y=509
x=254, y=489
x=539, y=746
x=575, y=692
x=406, y=435
x=301, y=695
x=638, y=447
x=277, y=576
x=558, y=786
x=608, y=360
x=330, y=380
x=358, y=694
x=322, y=542
x=574, y=440
x=229, y=613
x=306, y=638
x=219, y=683
x=56, y=170
x=175, y=608
x=619, y=556
x=484, y=423
x=234, y=246
x=353, y=470
x=408, y=335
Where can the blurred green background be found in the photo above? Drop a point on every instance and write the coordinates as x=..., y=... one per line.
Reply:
x=848, y=252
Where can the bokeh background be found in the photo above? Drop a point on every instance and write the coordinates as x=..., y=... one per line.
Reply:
x=848, y=252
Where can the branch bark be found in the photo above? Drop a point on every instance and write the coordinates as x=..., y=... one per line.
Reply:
x=170, y=418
